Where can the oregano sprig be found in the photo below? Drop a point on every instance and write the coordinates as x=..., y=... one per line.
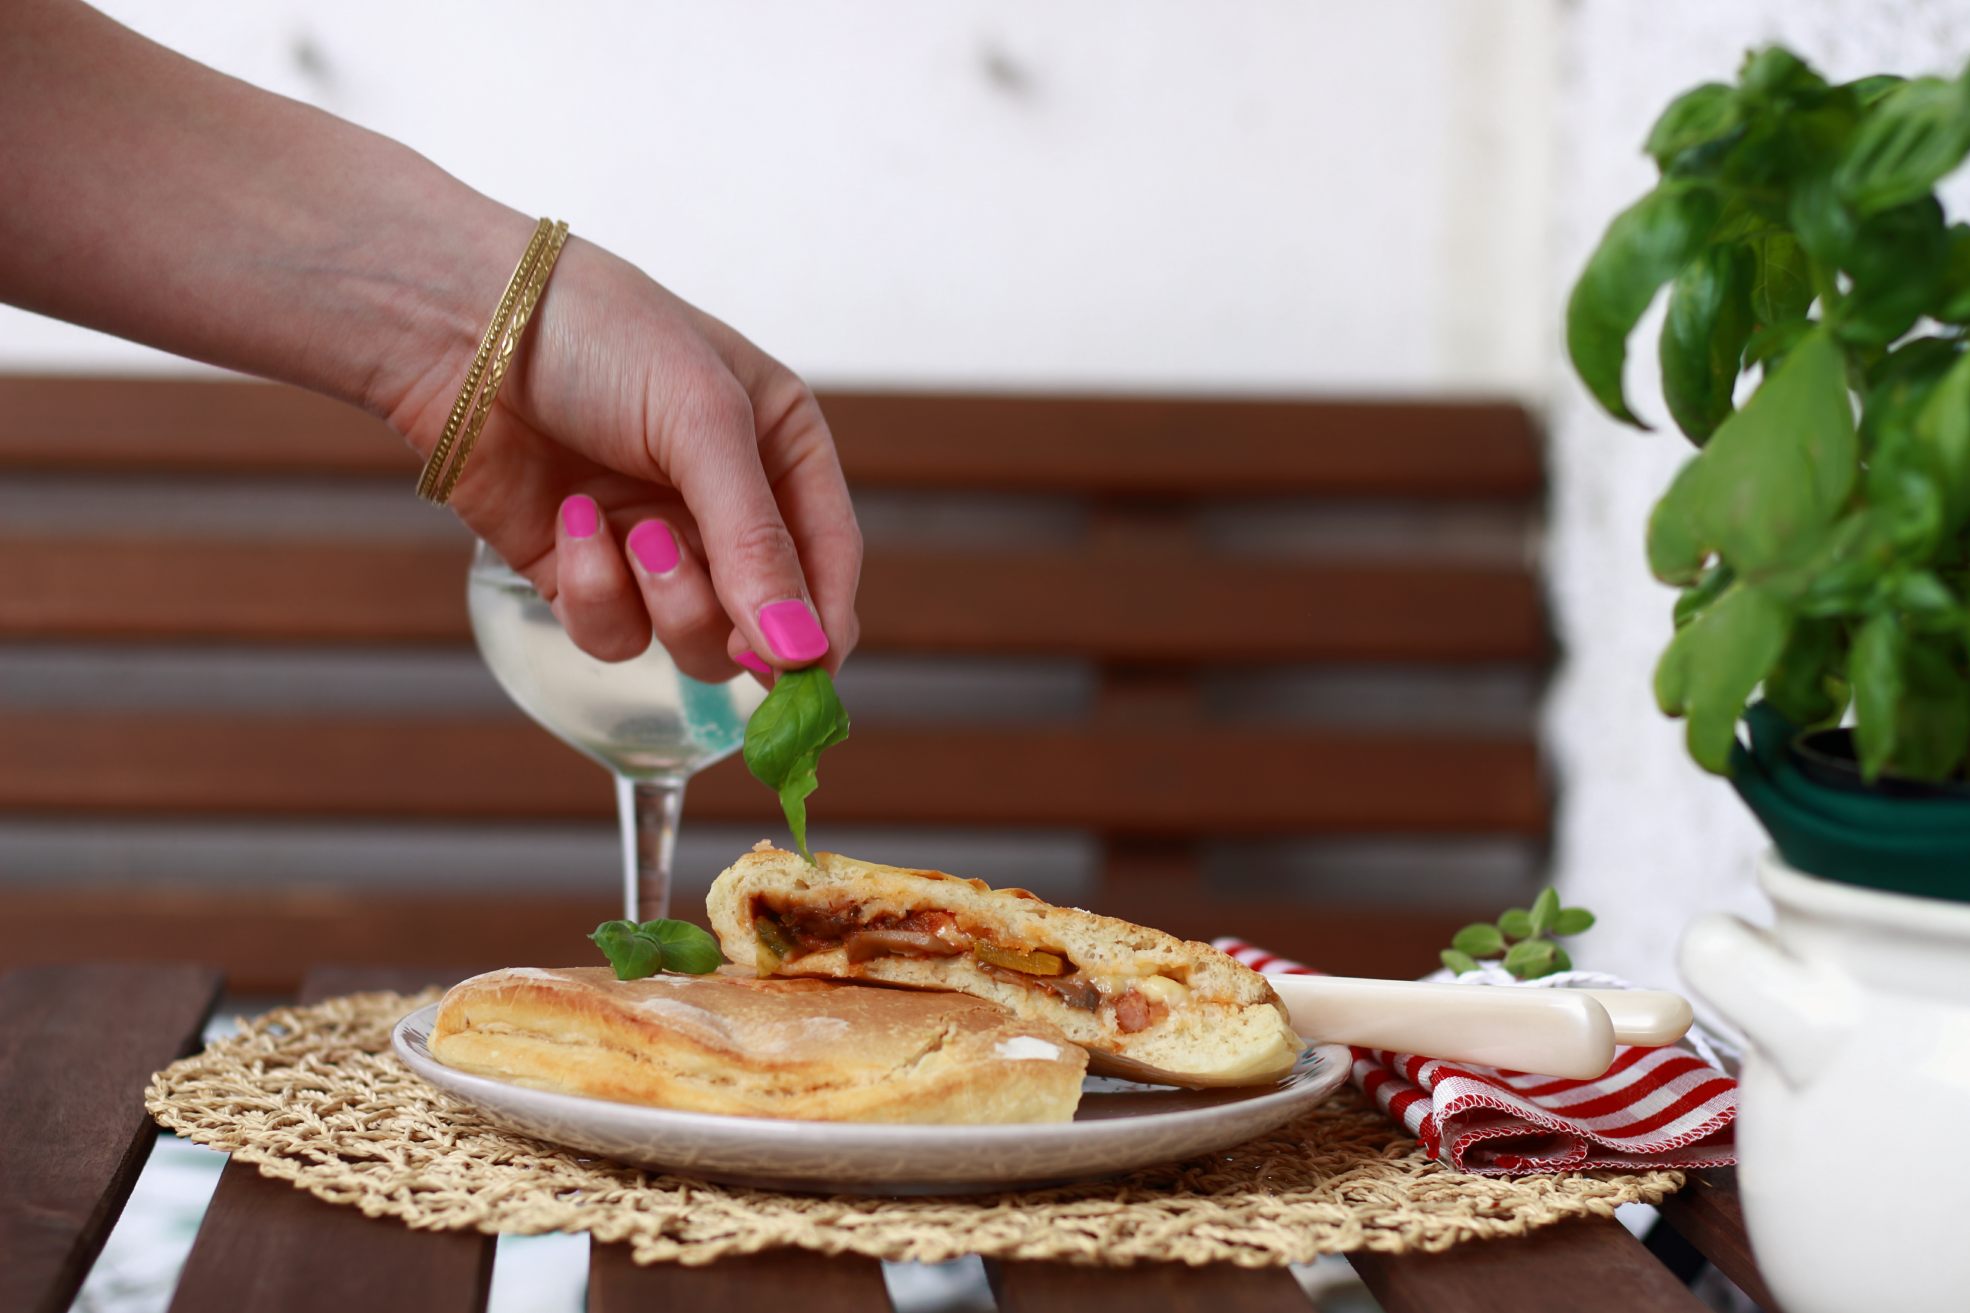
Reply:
x=639, y=950
x=1523, y=936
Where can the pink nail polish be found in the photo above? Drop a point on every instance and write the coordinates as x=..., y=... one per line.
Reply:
x=753, y=663
x=792, y=631
x=579, y=516
x=655, y=548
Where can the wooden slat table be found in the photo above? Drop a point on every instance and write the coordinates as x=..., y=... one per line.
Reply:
x=78, y=1043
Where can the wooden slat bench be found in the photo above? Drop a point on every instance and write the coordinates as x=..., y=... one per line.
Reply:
x=1144, y=585
x=77, y=1044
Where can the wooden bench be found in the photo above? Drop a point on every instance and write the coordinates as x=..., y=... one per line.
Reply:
x=1153, y=576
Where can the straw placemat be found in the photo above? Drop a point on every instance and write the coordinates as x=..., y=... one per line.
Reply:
x=314, y=1096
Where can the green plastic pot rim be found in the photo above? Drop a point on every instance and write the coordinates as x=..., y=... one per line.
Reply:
x=1918, y=914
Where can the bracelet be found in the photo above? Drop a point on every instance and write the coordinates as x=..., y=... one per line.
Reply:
x=490, y=362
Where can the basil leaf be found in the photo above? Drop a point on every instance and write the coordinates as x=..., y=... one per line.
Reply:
x=1456, y=961
x=686, y=948
x=1953, y=298
x=1776, y=73
x=1573, y=921
x=1941, y=433
x=1696, y=599
x=1875, y=667
x=1517, y=922
x=1776, y=473
x=1912, y=136
x=1531, y=959
x=1544, y=908
x=1703, y=338
x=1933, y=717
x=1895, y=259
x=630, y=951
x=799, y=719
x=1479, y=940
x=1647, y=245
x=1677, y=545
x=1699, y=116
x=1714, y=663
x=1781, y=281
x=1797, y=686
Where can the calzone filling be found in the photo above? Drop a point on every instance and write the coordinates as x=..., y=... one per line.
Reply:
x=789, y=933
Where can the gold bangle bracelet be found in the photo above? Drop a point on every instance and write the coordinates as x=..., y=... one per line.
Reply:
x=490, y=363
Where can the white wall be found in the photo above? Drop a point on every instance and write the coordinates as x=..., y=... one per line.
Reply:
x=1256, y=194
x=1644, y=837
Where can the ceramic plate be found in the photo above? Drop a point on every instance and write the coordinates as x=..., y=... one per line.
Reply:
x=1121, y=1125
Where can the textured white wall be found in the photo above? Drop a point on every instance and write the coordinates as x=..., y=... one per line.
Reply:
x=1159, y=194
x=1645, y=838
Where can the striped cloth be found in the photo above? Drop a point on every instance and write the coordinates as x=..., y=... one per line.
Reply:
x=1656, y=1107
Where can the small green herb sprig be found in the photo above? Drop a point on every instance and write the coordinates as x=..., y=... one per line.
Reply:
x=1524, y=936
x=799, y=719
x=636, y=951
x=1820, y=537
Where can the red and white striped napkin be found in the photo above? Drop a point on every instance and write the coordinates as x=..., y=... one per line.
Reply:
x=1656, y=1107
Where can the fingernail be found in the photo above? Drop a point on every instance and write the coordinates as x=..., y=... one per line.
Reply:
x=655, y=548
x=792, y=631
x=579, y=516
x=753, y=663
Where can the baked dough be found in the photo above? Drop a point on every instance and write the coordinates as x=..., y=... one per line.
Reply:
x=733, y=1043
x=1145, y=1004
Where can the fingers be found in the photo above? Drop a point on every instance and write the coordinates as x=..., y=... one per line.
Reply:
x=682, y=605
x=813, y=495
x=595, y=600
x=755, y=564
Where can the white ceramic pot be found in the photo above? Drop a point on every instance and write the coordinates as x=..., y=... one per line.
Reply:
x=1854, y=1130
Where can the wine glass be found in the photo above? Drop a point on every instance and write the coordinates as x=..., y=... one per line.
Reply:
x=650, y=724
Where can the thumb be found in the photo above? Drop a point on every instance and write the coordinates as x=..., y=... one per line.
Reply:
x=755, y=566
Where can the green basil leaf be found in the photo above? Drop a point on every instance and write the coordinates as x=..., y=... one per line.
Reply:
x=1573, y=921
x=631, y=952
x=1700, y=115
x=1479, y=940
x=1866, y=91
x=1560, y=962
x=1952, y=304
x=1714, y=663
x=1516, y=922
x=1875, y=669
x=1781, y=280
x=1822, y=221
x=1776, y=73
x=1921, y=596
x=1647, y=245
x=1544, y=908
x=1531, y=959
x=1801, y=685
x=1769, y=346
x=1677, y=544
x=800, y=718
x=1696, y=599
x=1895, y=260
x=686, y=948
x=1933, y=716
x=1703, y=338
x=1456, y=961
x=1911, y=137
x=1941, y=440
x=1777, y=472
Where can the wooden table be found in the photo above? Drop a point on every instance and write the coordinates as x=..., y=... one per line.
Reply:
x=77, y=1044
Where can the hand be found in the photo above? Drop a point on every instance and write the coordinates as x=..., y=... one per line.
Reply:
x=647, y=467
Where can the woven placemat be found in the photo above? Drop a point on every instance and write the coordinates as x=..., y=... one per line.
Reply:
x=314, y=1096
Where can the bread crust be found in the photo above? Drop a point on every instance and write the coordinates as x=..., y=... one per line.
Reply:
x=736, y=1044
x=1223, y=1025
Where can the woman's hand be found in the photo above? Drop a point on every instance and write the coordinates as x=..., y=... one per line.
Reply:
x=647, y=467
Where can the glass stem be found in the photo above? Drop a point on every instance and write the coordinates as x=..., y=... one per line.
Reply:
x=648, y=811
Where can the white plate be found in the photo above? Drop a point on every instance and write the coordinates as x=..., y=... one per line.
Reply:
x=1121, y=1125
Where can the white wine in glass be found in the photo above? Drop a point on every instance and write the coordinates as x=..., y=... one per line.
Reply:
x=652, y=725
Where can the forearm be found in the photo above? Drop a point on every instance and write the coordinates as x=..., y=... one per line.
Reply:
x=151, y=197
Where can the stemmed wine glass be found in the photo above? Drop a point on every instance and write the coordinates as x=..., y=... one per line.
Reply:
x=650, y=724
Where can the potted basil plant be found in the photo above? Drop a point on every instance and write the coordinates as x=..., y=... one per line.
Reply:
x=1816, y=353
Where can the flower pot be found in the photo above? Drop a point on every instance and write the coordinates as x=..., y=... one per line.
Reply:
x=1853, y=1163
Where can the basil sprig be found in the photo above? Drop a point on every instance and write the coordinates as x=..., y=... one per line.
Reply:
x=636, y=951
x=1820, y=534
x=785, y=738
x=1523, y=936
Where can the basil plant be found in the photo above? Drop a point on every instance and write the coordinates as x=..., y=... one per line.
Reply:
x=1820, y=536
